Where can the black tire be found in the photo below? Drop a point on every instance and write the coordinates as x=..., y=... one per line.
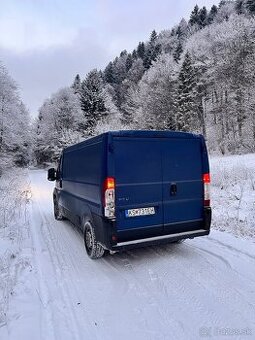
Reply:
x=93, y=248
x=58, y=214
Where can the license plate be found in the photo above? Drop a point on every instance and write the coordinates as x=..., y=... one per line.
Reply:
x=140, y=212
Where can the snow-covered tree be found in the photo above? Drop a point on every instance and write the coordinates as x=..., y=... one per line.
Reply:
x=202, y=17
x=212, y=14
x=108, y=74
x=14, y=124
x=152, y=50
x=141, y=50
x=76, y=86
x=250, y=6
x=186, y=119
x=194, y=17
x=92, y=101
x=57, y=125
x=112, y=118
x=156, y=96
x=227, y=50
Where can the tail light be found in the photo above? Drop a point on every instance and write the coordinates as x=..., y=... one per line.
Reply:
x=109, y=197
x=207, y=181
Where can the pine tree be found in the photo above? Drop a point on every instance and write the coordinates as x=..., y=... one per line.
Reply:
x=223, y=3
x=128, y=87
x=108, y=74
x=152, y=51
x=76, y=86
x=202, y=17
x=250, y=6
x=186, y=96
x=182, y=30
x=148, y=58
x=141, y=50
x=213, y=12
x=23, y=142
x=134, y=54
x=120, y=68
x=136, y=71
x=194, y=17
x=92, y=102
x=123, y=53
x=177, y=53
x=153, y=37
x=129, y=62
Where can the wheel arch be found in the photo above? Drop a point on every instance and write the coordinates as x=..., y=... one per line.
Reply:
x=86, y=216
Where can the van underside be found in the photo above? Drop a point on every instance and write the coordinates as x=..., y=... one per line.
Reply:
x=157, y=240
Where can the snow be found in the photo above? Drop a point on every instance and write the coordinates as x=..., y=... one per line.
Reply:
x=50, y=289
x=233, y=194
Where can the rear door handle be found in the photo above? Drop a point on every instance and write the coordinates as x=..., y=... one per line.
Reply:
x=173, y=189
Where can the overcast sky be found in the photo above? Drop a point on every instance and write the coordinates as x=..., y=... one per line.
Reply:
x=45, y=43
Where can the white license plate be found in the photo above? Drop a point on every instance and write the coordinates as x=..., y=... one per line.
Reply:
x=140, y=212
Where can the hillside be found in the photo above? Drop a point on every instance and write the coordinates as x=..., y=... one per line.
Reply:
x=197, y=76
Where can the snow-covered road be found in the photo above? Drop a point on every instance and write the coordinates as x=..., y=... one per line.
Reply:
x=200, y=288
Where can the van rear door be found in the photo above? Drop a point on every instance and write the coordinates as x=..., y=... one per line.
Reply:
x=138, y=175
x=182, y=184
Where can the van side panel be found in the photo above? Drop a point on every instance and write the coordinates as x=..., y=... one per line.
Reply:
x=82, y=177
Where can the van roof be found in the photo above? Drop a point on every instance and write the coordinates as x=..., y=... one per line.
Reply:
x=136, y=134
x=152, y=133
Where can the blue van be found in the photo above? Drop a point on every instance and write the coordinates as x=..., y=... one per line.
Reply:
x=128, y=189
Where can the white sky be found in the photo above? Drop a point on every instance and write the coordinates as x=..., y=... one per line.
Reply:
x=45, y=43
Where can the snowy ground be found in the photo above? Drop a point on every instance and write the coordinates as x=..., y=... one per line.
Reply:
x=50, y=289
x=233, y=194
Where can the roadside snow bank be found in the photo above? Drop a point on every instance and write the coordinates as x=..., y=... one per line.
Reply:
x=14, y=198
x=233, y=194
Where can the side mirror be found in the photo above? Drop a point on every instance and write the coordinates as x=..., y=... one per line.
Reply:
x=52, y=174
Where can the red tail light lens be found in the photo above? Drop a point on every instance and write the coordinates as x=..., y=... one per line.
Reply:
x=207, y=181
x=109, y=183
x=206, y=178
x=109, y=197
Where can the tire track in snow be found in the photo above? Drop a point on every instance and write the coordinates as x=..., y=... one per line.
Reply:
x=58, y=264
x=228, y=280
x=217, y=256
x=47, y=331
x=143, y=303
x=222, y=259
x=151, y=295
x=183, y=286
x=227, y=293
x=70, y=260
x=231, y=248
x=200, y=290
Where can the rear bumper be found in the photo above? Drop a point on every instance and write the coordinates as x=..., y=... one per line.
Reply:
x=141, y=237
x=163, y=239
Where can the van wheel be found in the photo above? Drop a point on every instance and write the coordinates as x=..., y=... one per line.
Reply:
x=93, y=248
x=57, y=211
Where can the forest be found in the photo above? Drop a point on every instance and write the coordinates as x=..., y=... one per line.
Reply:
x=197, y=76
